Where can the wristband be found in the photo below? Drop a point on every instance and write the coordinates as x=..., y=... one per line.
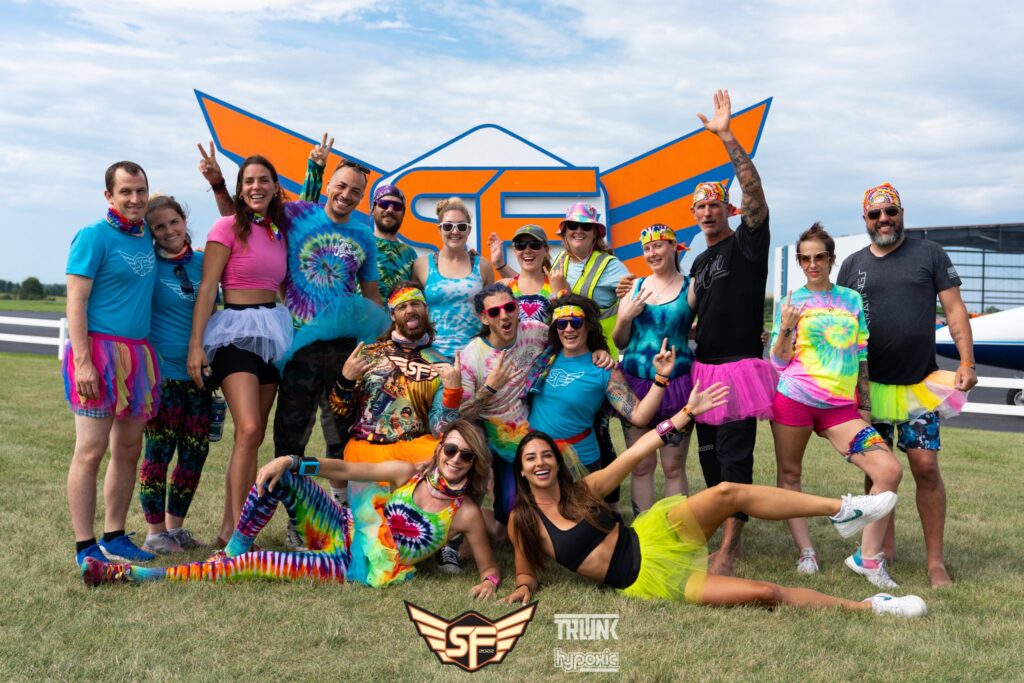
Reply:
x=689, y=412
x=294, y=467
x=668, y=433
x=222, y=185
x=451, y=398
x=497, y=267
x=487, y=387
x=659, y=382
x=309, y=467
x=965, y=364
x=495, y=581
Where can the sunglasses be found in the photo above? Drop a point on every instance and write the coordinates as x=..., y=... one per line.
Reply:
x=345, y=163
x=390, y=204
x=508, y=307
x=532, y=245
x=585, y=227
x=820, y=257
x=890, y=211
x=575, y=322
x=186, y=285
x=451, y=450
x=448, y=227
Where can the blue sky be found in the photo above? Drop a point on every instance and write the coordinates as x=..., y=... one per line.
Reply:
x=927, y=96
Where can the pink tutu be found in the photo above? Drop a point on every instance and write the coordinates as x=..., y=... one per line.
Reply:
x=676, y=396
x=751, y=383
x=129, y=378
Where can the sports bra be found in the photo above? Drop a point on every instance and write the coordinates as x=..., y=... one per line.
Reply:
x=574, y=545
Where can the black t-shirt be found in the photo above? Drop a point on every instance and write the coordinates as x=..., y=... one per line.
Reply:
x=899, y=292
x=729, y=280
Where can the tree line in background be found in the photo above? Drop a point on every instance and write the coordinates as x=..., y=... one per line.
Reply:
x=31, y=289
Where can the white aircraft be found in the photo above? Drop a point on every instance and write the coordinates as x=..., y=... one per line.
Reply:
x=998, y=341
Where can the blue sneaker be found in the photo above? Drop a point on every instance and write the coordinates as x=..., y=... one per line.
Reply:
x=122, y=548
x=92, y=551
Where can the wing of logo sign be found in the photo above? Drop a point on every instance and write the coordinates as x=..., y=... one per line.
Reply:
x=510, y=628
x=432, y=628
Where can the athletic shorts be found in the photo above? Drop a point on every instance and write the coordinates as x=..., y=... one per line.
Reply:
x=919, y=432
x=786, y=411
x=231, y=359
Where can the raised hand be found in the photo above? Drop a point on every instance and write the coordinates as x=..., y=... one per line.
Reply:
x=625, y=285
x=502, y=373
x=556, y=278
x=318, y=155
x=355, y=365
x=665, y=360
x=451, y=374
x=632, y=306
x=497, y=250
x=719, y=122
x=702, y=401
x=790, y=314
x=208, y=165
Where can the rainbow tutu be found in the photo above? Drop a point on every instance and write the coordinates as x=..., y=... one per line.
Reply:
x=897, y=403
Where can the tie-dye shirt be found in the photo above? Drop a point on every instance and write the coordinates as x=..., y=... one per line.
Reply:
x=394, y=262
x=831, y=342
x=671, y=320
x=450, y=300
x=505, y=416
x=325, y=259
x=533, y=306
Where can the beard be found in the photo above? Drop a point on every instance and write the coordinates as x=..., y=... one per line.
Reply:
x=887, y=240
x=391, y=229
x=403, y=329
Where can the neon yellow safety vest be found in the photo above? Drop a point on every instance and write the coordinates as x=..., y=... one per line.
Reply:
x=587, y=283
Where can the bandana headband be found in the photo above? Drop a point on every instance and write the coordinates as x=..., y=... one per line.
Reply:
x=883, y=194
x=658, y=232
x=568, y=312
x=403, y=295
x=713, y=192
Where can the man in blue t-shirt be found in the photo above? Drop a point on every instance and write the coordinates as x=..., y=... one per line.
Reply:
x=111, y=374
x=898, y=280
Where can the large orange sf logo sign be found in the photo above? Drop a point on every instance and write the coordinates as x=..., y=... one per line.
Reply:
x=508, y=181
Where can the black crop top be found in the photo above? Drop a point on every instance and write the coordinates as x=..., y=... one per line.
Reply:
x=575, y=545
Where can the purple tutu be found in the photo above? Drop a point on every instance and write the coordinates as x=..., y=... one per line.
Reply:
x=129, y=378
x=751, y=383
x=676, y=396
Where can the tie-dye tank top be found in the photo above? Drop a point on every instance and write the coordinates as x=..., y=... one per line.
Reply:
x=533, y=306
x=451, y=306
x=656, y=322
x=831, y=342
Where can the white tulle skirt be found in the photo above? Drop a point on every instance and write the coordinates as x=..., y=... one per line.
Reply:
x=263, y=330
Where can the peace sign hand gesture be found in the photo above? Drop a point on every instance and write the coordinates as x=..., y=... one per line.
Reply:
x=208, y=165
x=318, y=155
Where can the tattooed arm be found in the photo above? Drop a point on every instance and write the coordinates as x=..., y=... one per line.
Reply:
x=754, y=206
x=637, y=412
x=863, y=388
x=963, y=337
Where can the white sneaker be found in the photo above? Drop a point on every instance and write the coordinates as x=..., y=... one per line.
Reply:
x=907, y=606
x=292, y=538
x=859, y=511
x=808, y=562
x=878, y=575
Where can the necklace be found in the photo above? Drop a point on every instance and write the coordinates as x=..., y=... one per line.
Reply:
x=657, y=294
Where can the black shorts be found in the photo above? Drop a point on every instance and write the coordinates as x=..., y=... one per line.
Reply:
x=231, y=359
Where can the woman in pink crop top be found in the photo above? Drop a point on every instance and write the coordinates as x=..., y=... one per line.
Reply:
x=236, y=347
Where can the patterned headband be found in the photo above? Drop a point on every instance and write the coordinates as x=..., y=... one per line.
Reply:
x=713, y=192
x=656, y=232
x=883, y=194
x=568, y=312
x=400, y=296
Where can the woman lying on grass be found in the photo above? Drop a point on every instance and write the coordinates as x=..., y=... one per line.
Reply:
x=377, y=545
x=664, y=553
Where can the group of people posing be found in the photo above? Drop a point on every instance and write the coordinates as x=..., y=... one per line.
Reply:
x=466, y=403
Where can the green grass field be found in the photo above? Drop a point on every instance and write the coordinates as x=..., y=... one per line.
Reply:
x=53, y=627
x=58, y=305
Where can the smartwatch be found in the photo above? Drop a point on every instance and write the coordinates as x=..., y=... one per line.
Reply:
x=309, y=467
x=668, y=433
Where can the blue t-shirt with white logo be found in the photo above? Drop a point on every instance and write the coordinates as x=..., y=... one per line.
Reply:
x=123, y=272
x=172, y=313
x=573, y=392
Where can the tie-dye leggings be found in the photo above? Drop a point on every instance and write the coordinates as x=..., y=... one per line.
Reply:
x=325, y=527
x=183, y=424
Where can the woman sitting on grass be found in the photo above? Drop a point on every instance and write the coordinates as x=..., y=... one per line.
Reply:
x=413, y=522
x=664, y=553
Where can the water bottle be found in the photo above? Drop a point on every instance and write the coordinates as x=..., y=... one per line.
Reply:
x=218, y=408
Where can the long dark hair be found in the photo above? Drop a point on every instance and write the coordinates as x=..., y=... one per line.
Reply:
x=478, y=301
x=476, y=480
x=243, y=214
x=575, y=502
x=595, y=333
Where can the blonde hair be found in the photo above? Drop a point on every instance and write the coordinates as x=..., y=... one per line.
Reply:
x=453, y=204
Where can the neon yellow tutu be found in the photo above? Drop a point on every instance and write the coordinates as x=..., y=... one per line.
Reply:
x=898, y=403
x=673, y=554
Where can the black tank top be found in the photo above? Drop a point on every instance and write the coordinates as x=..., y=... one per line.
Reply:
x=574, y=545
